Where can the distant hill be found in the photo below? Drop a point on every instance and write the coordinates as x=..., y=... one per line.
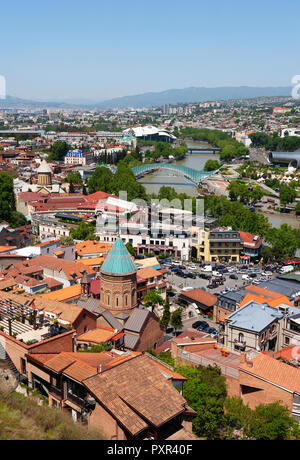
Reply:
x=175, y=96
x=16, y=102
x=172, y=96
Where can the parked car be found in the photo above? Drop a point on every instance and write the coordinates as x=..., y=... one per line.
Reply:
x=191, y=275
x=189, y=288
x=202, y=326
x=204, y=276
x=175, y=270
x=199, y=324
x=212, y=286
x=181, y=274
x=252, y=275
x=234, y=277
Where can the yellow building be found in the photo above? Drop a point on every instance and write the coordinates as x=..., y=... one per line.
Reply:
x=218, y=245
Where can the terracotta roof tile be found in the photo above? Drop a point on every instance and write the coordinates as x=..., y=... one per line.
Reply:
x=274, y=371
x=136, y=393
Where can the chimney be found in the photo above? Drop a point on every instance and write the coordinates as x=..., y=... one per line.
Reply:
x=243, y=358
x=74, y=342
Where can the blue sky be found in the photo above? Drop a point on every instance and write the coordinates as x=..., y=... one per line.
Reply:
x=98, y=50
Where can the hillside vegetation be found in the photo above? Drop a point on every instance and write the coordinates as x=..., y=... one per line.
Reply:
x=22, y=418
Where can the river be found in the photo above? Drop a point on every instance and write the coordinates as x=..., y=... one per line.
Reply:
x=153, y=182
x=278, y=219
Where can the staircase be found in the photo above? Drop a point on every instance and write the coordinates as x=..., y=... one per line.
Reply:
x=17, y=327
x=8, y=364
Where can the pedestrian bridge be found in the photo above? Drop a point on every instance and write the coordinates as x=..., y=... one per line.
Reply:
x=191, y=174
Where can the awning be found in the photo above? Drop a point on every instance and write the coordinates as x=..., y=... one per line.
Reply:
x=118, y=336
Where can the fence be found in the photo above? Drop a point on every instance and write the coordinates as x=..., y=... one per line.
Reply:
x=200, y=360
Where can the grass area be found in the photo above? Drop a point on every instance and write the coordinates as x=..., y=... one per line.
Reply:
x=21, y=418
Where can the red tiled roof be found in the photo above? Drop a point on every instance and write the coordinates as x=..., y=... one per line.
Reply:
x=203, y=297
x=274, y=371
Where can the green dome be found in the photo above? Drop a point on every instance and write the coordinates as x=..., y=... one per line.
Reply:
x=118, y=261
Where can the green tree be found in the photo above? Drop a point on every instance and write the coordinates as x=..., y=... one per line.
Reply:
x=176, y=319
x=287, y=194
x=205, y=392
x=211, y=165
x=131, y=249
x=284, y=241
x=124, y=180
x=166, y=313
x=83, y=232
x=265, y=422
x=74, y=177
x=152, y=299
x=58, y=151
x=101, y=180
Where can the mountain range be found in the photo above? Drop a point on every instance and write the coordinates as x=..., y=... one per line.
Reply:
x=156, y=99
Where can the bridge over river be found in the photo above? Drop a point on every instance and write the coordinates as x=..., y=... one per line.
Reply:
x=191, y=174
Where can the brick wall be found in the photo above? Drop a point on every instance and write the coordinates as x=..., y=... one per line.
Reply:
x=101, y=419
x=86, y=321
x=260, y=392
x=152, y=336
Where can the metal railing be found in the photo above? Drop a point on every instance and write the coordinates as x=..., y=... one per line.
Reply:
x=200, y=360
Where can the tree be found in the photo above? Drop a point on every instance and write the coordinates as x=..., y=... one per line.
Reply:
x=74, y=177
x=66, y=241
x=284, y=242
x=265, y=422
x=287, y=194
x=130, y=249
x=17, y=219
x=124, y=180
x=205, y=392
x=297, y=208
x=211, y=165
x=82, y=232
x=71, y=188
x=176, y=319
x=58, y=151
x=152, y=299
x=101, y=180
x=166, y=313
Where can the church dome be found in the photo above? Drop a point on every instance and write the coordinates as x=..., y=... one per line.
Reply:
x=44, y=168
x=118, y=261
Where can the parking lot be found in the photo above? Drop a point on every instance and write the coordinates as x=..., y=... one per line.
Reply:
x=255, y=275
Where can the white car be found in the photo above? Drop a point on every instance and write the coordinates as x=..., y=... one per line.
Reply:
x=217, y=274
x=187, y=289
x=192, y=267
x=245, y=277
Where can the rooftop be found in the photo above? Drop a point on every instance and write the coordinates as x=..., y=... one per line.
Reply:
x=253, y=316
x=118, y=261
x=137, y=394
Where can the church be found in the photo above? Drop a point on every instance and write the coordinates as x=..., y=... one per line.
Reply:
x=116, y=303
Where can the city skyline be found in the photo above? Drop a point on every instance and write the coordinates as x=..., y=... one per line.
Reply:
x=96, y=51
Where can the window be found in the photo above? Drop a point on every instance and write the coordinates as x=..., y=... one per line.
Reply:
x=126, y=300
